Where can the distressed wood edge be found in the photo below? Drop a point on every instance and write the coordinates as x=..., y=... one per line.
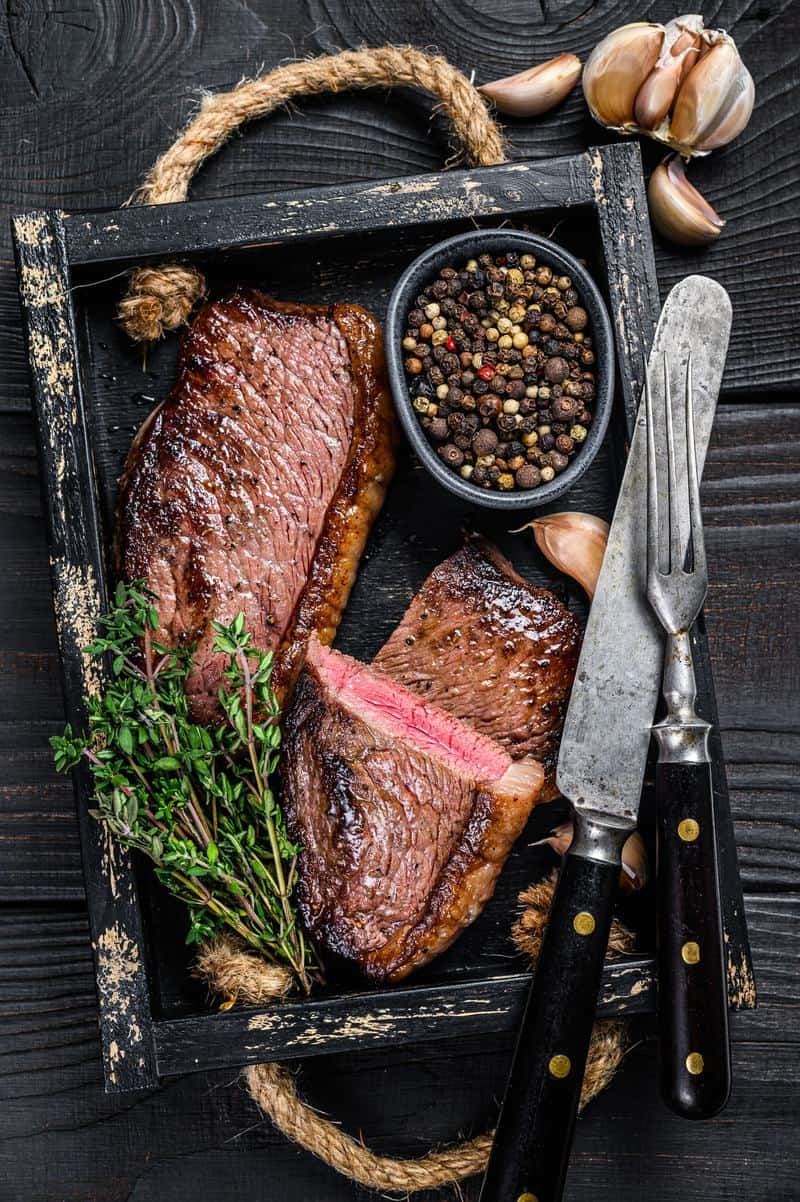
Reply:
x=346, y=1023
x=77, y=575
x=197, y=227
x=618, y=188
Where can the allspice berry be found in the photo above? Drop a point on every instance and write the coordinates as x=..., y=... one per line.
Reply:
x=556, y=370
x=528, y=476
x=452, y=455
x=484, y=442
x=576, y=318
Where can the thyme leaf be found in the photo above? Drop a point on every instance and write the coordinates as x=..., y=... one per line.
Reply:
x=197, y=800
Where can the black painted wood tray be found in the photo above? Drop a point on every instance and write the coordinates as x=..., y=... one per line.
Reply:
x=91, y=390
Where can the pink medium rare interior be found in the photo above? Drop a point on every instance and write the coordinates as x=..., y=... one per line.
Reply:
x=399, y=713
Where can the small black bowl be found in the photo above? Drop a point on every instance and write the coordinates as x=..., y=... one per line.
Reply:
x=417, y=276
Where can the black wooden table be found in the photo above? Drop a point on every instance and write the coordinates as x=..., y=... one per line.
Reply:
x=90, y=92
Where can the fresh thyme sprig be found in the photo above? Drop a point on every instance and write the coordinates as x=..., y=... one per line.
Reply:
x=196, y=800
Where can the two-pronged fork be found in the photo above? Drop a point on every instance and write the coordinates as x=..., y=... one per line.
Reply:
x=692, y=983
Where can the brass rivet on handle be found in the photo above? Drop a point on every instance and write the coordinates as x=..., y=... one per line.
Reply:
x=688, y=830
x=560, y=1066
x=583, y=922
x=695, y=1063
x=690, y=953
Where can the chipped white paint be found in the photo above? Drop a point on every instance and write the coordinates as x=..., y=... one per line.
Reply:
x=77, y=604
x=118, y=967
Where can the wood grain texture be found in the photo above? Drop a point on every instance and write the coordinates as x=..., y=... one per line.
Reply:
x=64, y=1138
x=90, y=92
x=93, y=91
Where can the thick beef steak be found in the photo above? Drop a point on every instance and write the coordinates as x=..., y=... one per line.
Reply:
x=405, y=814
x=483, y=644
x=253, y=486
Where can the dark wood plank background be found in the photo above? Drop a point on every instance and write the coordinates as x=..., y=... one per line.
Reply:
x=90, y=92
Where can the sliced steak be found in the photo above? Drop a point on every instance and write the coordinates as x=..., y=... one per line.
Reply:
x=483, y=644
x=405, y=815
x=253, y=486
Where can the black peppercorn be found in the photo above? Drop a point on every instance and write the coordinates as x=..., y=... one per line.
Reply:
x=438, y=429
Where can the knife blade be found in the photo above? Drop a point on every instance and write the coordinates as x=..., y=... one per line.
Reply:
x=600, y=769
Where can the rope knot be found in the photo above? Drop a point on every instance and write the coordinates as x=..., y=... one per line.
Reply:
x=159, y=299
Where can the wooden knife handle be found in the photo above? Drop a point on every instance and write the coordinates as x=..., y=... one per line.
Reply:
x=694, y=1049
x=531, y=1148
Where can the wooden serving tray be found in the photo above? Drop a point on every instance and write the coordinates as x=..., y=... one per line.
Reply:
x=91, y=390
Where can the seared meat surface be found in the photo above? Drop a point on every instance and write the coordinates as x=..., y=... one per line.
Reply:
x=405, y=815
x=253, y=486
x=491, y=649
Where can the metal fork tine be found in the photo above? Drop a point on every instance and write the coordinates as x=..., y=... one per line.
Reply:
x=695, y=517
x=652, y=482
x=675, y=555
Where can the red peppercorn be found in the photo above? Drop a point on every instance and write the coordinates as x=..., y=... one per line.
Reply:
x=486, y=372
x=450, y=344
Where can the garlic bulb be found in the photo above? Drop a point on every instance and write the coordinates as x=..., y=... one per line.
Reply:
x=679, y=83
x=575, y=543
x=535, y=90
x=678, y=210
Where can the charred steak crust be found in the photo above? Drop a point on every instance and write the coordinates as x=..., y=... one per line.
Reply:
x=482, y=643
x=254, y=485
x=399, y=853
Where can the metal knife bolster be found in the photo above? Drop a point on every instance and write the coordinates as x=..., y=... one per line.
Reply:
x=599, y=836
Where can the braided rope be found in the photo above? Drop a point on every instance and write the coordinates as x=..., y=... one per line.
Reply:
x=161, y=298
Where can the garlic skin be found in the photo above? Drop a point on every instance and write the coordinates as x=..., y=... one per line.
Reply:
x=679, y=83
x=616, y=70
x=575, y=543
x=678, y=211
x=535, y=90
x=635, y=869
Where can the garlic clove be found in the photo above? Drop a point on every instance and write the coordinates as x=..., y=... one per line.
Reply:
x=678, y=210
x=733, y=120
x=634, y=873
x=679, y=53
x=575, y=543
x=706, y=94
x=535, y=90
x=616, y=70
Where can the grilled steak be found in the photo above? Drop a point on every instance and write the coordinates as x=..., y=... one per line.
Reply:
x=405, y=814
x=253, y=486
x=483, y=644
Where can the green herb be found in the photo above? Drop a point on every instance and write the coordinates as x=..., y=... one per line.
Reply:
x=197, y=800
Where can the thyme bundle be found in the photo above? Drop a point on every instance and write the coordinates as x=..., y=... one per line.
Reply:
x=196, y=800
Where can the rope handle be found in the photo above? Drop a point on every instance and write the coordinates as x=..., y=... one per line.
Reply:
x=161, y=298
x=239, y=975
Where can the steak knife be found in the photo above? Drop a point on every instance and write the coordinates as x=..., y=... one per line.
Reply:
x=600, y=770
